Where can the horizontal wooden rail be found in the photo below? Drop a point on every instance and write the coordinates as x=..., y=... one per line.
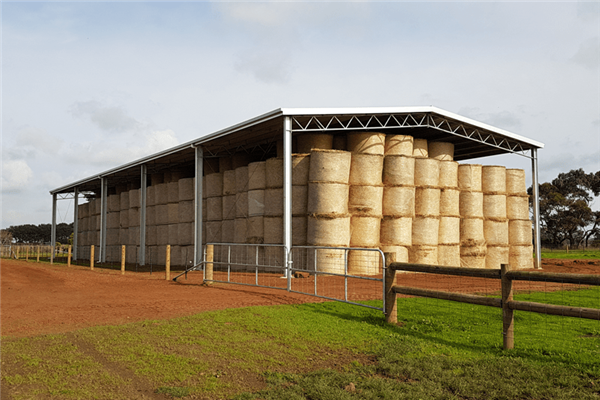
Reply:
x=460, y=297
x=565, y=311
x=578, y=279
x=436, y=269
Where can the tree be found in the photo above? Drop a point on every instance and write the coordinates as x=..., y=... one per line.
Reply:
x=565, y=208
x=5, y=237
x=42, y=233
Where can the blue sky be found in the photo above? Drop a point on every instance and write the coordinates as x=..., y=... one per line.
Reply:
x=89, y=86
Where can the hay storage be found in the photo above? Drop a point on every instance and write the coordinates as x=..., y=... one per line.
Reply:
x=517, y=207
x=229, y=207
x=471, y=204
x=173, y=195
x=399, y=201
x=255, y=230
x=494, y=206
x=214, y=208
x=300, y=168
x=423, y=254
x=449, y=255
x=493, y=179
x=366, y=200
x=328, y=260
x=256, y=175
x=228, y=183
x=327, y=198
x=213, y=232
x=273, y=229
x=274, y=173
x=240, y=230
x=520, y=256
x=241, y=205
x=364, y=231
x=520, y=232
x=495, y=231
x=449, y=231
x=401, y=252
x=442, y=151
x=324, y=230
x=396, y=231
x=515, y=182
x=496, y=255
x=450, y=202
x=299, y=225
x=309, y=141
x=399, y=145
x=364, y=262
x=366, y=169
x=228, y=231
x=366, y=142
x=420, y=148
x=469, y=177
x=425, y=231
x=398, y=170
x=472, y=261
x=427, y=172
x=186, y=189
x=448, y=174
x=471, y=229
x=427, y=201
x=329, y=166
x=274, y=201
x=241, y=179
x=214, y=185
x=299, y=199
x=256, y=203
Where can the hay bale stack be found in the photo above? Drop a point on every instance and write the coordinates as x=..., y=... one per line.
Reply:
x=427, y=172
x=493, y=179
x=517, y=207
x=515, y=182
x=256, y=203
x=366, y=169
x=228, y=231
x=469, y=177
x=398, y=170
x=442, y=151
x=161, y=194
x=401, y=145
x=185, y=233
x=229, y=207
x=396, y=231
x=327, y=198
x=450, y=202
x=367, y=200
x=229, y=182
x=113, y=203
x=150, y=196
x=256, y=175
x=134, y=217
x=520, y=235
x=366, y=143
x=520, y=256
x=255, y=230
x=420, y=148
x=398, y=201
x=329, y=166
x=273, y=202
x=427, y=201
x=274, y=173
x=309, y=141
x=400, y=251
x=173, y=192
x=448, y=175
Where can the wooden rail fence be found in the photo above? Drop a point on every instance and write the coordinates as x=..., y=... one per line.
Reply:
x=507, y=303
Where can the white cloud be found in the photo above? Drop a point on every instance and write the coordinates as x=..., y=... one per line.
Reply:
x=111, y=119
x=16, y=175
x=588, y=54
x=268, y=66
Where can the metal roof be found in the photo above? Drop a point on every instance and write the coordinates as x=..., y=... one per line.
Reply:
x=472, y=139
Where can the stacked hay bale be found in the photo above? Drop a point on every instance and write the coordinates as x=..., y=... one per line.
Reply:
x=113, y=228
x=83, y=228
x=134, y=226
x=173, y=218
x=229, y=207
x=93, y=236
x=519, y=225
x=300, y=172
x=328, y=219
x=367, y=154
x=309, y=141
x=495, y=223
x=186, y=216
x=161, y=215
x=256, y=211
x=238, y=253
x=449, y=233
x=426, y=224
x=473, y=249
x=214, y=207
x=273, y=211
x=398, y=203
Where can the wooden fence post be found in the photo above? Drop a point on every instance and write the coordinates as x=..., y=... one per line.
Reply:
x=210, y=256
x=27, y=253
x=92, y=257
x=508, y=319
x=391, y=303
x=123, y=260
x=69, y=257
x=168, y=263
x=17, y=252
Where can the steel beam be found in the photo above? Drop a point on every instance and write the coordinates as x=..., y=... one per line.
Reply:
x=537, y=243
x=198, y=254
x=287, y=194
x=75, y=222
x=103, y=213
x=143, y=187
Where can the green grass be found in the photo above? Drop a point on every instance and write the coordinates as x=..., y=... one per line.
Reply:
x=440, y=350
x=571, y=254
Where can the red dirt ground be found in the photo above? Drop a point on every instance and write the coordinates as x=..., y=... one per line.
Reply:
x=42, y=298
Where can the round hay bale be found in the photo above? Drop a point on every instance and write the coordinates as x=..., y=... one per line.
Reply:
x=396, y=231
x=495, y=232
x=520, y=257
x=186, y=189
x=256, y=175
x=420, y=148
x=274, y=201
x=423, y=254
x=327, y=198
x=299, y=199
x=172, y=189
x=442, y=151
x=274, y=173
x=493, y=179
x=228, y=228
x=364, y=231
x=399, y=201
x=449, y=255
x=517, y=207
x=299, y=230
x=161, y=194
x=427, y=201
x=186, y=233
x=366, y=142
x=150, y=196
x=151, y=235
x=187, y=211
x=494, y=206
x=300, y=169
x=255, y=230
x=329, y=260
x=113, y=203
x=203, y=211
x=496, y=255
x=240, y=229
x=472, y=261
x=364, y=262
x=323, y=230
x=241, y=205
x=449, y=231
x=214, y=185
x=229, y=182
x=366, y=169
x=329, y=166
x=520, y=232
x=365, y=200
x=473, y=248
x=471, y=229
x=471, y=204
x=469, y=177
x=225, y=164
x=124, y=200
x=83, y=210
x=162, y=214
x=400, y=251
x=150, y=216
x=241, y=179
x=427, y=172
x=173, y=213
x=309, y=141
x=401, y=145
x=113, y=220
x=214, y=208
x=425, y=231
x=256, y=202
x=134, y=197
x=450, y=202
x=229, y=207
x=398, y=170
x=213, y=232
x=515, y=182
x=273, y=230
x=448, y=174
x=173, y=234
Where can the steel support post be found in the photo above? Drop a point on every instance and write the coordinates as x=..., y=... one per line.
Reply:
x=287, y=195
x=143, y=190
x=53, y=231
x=75, y=222
x=537, y=243
x=103, y=212
x=198, y=254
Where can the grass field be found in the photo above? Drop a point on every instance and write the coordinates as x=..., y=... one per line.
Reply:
x=571, y=254
x=440, y=350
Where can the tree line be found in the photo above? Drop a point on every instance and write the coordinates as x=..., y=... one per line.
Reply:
x=38, y=234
